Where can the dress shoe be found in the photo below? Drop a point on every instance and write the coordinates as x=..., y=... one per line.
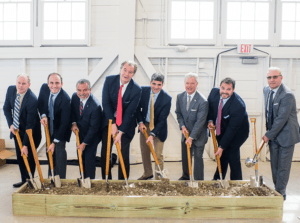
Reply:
x=18, y=184
x=145, y=178
x=184, y=178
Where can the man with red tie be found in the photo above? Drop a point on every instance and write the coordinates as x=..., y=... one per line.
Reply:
x=232, y=128
x=120, y=99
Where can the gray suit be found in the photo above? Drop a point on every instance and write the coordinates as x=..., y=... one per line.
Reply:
x=283, y=135
x=195, y=121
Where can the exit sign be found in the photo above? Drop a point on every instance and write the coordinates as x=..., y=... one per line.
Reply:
x=244, y=48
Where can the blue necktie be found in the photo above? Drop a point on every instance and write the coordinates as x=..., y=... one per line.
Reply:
x=270, y=111
x=16, y=112
x=51, y=114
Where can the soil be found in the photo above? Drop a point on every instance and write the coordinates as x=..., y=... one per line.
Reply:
x=159, y=188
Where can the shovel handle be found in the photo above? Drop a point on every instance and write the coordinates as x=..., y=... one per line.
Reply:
x=36, y=159
x=260, y=146
x=121, y=158
x=253, y=120
x=48, y=145
x=21, y=146
x=151, y=147
x=108, y=147
x=79, y=152
x=214, y=139
x=188, y=149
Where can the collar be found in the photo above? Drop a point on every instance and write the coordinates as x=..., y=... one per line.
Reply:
x=151, y=92
x=85, y=100
x=22, y=95
x=224, y=99
x=125, y=85
x=192, y=95
x=275, y=89
x=55, y=93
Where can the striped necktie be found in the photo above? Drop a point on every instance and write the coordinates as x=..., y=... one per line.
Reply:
x=151, y=125
x=16, y=112
x=218, y=131
x=81, y=107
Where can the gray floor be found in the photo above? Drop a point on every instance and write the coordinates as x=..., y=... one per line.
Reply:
x=9, y=174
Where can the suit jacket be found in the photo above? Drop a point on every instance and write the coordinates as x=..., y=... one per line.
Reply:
x=285, y=128
x=89, y=122
x=62, y=112
x=130, y=102
x=234, y=122
x=28, y=115
x=162, y=108
x=195, y=118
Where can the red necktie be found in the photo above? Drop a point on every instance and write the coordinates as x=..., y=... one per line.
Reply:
x=119, y=108
x=219, y=118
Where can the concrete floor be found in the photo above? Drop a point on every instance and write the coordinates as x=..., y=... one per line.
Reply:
x=9, y=174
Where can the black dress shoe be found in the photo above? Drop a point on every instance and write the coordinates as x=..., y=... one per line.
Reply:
x=18, y=184
x=184, y=178
x=145, y=178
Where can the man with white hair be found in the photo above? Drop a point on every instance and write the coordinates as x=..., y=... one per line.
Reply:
x=191, y=111
x=282, y=128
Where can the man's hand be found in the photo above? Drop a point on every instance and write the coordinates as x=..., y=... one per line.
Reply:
x=12, y=129
x=114, y=129
x=265, y=138
x=219, y=152
x=74, y=127
x=189, y=141
x=51, y=148
x=141, y=127
x=184, y=130
x=211, y=125
x=44, y=121
x=24, y=151
x=81, y=147
x=118, y=138
x=150, y=139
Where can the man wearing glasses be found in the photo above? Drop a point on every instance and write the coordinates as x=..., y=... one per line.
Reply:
x=282, y=128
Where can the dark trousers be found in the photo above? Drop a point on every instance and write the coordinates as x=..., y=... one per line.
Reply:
x=22, y=167
x=59, y=160
x=125, y=150
x=89, y=160
x=198, y=158
x=281, y=161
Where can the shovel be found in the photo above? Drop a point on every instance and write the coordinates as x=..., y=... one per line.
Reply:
x=251, y=162
x=36, y=159
x=224, y=183
x=86, y=183
x=192, y=183
x=162, y=174
x=108, y=154
x=55, y=180
x=32, y=182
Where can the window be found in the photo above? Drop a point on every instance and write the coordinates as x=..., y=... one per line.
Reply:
x=192, y=22
x=16, y=22
x=65, y=22
x=247, y=21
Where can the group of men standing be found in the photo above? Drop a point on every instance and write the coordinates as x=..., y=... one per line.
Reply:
x=127, y=105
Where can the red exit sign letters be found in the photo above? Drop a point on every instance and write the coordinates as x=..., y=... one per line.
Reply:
x=244, y=48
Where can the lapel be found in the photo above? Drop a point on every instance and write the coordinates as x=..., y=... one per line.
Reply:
x=228, y=104
x=193, y=101
x=13, y=98
x=276, y=99
x=184, y=103
x=86, y=106
x=146, y=101
x=158, y=100
x=58, y=100
x=266, y=100
x=127, y=92
x=26, y=96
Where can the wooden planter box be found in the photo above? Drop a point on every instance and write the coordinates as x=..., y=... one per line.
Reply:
x=147, y=207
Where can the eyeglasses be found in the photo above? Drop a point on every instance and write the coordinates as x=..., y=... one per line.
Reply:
x=274, y=77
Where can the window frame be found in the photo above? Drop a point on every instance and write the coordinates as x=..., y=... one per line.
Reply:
x=213, y=41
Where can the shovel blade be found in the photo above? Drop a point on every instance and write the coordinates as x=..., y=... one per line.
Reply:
x=31, y=184
x=249, y=162
x=192, y=184
x=37, y=182
x=164, y=174
x=86, y=183
x=225, y=183
x=57, y=181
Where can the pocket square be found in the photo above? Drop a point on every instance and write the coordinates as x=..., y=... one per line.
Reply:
x=275, y=104
x=226, y=116
x=193, y=109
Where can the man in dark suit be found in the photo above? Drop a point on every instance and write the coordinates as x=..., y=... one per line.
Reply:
x=54, y=104
x=86, y=118
x=152, y=115
x=191, y=110
x=282, y=128
x=20, y=110
x=120, y=99
x=232, y=128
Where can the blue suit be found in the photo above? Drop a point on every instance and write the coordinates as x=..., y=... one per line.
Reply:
x=130, y=101
x=234, y=131
x=28, y=119
x=88, y=123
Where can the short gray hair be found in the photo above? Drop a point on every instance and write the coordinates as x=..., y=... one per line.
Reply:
x=275, y=68
x=82, y=81
x=130, y=63
x=157, y=77
x=189, y=75
x=24, y=75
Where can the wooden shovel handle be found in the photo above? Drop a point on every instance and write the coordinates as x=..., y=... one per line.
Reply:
x=36, y=159
x=21, y=146
x=48, y=145
x=108, y=147
x=151, y=147
x=260, y=146
x=253, y=120
x=214, y=139
x=79, y=152
x=121, y=158
x=188, y=149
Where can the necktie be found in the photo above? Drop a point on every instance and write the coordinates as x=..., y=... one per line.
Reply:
x=16, y=112
x=51, y=113
x=219, y=118
x=151, y=126
x=81, y=107
x=119, y=108
x=188, y=103
x=270, y=111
